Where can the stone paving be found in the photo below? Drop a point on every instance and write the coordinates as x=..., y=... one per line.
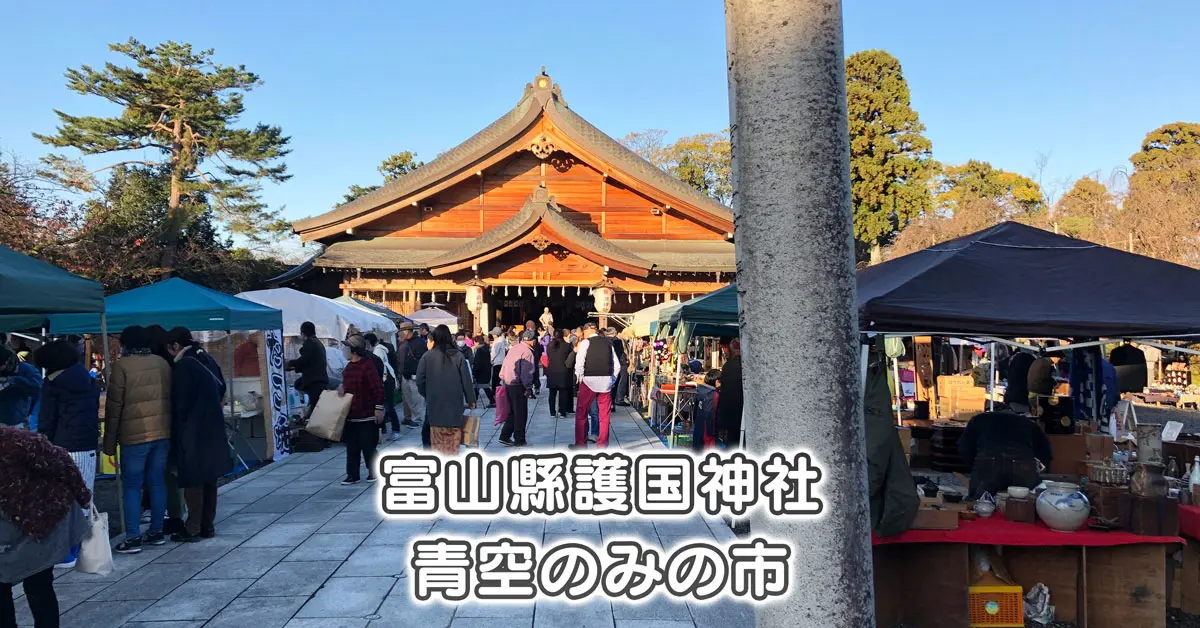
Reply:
x=296, y=549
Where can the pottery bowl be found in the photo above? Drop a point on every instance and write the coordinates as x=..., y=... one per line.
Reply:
x=984, y=510
x=1019, y=492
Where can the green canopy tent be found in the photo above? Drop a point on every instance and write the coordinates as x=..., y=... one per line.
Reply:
x=712, y=315
x=33, y=290
x=180, y=303
x=173, y=303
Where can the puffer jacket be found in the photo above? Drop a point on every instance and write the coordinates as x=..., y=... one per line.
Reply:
x=70, y=411
x=138, y=408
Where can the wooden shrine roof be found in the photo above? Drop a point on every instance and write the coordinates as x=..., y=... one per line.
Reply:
x=544, y=100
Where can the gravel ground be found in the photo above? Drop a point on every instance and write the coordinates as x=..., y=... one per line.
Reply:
x=1179, y=619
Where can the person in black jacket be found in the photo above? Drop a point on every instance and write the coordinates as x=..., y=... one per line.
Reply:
x=198, y=439
x=311, y=365
x=481, y=369
x=69, y=413
x=559, y=377
x=729, y=411
x=411, y=349
x=999, y=448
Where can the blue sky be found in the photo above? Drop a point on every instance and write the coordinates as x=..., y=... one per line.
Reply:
x=352, y=82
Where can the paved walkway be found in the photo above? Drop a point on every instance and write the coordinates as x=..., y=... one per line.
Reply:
x=296, y=549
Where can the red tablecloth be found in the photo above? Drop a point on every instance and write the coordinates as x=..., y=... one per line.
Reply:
x=1189, y=521
x=997, y=531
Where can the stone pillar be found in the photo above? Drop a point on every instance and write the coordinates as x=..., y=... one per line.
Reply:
x=791, y=181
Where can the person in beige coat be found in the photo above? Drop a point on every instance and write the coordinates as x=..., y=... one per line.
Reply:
x=137, y=416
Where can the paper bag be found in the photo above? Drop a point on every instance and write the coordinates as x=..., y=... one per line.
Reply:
x=329, y=417
x=470, y=430
x=95, y=554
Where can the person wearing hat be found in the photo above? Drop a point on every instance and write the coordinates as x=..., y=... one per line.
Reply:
x=361, y=379
x=517, y=375
x=411, y=348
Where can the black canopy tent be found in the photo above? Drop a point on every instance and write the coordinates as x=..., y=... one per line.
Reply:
x=1012, y=280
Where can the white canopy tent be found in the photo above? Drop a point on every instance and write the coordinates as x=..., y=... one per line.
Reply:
x=645, y=320
x=433, y=317
x=332, y=319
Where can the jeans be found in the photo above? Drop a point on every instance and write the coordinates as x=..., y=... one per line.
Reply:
x=144, y=462
x=582, y=409
x=361, y=438
x=594, y=418
x=39, y=593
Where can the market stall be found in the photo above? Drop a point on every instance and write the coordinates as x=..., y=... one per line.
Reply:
x=374, y=308
x=994, y=288
x=244, y=337
x=333, y=321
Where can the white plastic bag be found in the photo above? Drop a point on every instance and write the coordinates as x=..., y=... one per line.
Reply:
x=95, y=553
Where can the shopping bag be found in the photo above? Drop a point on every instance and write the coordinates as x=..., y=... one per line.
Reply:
x=95, y=554
x=329, y=417
x=470, y=430
x=501, y=405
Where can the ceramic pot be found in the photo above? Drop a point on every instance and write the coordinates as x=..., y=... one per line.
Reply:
x=1063, y=507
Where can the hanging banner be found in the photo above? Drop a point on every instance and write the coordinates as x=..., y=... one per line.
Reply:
x=280, y=413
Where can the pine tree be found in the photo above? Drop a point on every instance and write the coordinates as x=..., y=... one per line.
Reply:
x=181, y=107
x=890, y=163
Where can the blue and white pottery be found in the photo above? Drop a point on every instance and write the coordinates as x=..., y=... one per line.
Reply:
x=1063, y=507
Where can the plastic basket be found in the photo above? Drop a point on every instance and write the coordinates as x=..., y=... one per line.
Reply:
x=997, y=607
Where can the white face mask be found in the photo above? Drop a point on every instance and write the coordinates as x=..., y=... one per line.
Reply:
x=461, y=343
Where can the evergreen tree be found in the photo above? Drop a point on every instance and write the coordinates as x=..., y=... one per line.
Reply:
x=890, y=163
x=181, y=108
x=392, y=168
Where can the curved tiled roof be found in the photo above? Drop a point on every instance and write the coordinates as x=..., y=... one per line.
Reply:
x=454, y=159
x=545, y=98
x=631, y=163
x=539, y=207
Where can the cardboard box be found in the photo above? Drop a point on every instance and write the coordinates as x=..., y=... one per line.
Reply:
x=931, y=518
x=1099, y=446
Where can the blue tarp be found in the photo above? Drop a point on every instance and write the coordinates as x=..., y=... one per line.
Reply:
x=173, y=303
x=33, y=289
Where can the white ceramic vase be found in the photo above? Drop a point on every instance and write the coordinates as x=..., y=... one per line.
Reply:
x=1063, y=507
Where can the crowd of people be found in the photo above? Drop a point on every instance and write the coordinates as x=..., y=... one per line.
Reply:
x=162, y=408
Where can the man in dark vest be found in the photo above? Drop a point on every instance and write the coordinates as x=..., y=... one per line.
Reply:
x=596, y=368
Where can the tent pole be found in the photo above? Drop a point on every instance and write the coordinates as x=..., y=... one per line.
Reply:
x=117, y=457
x=899, y=390
x=992, y=380
x=675, y=404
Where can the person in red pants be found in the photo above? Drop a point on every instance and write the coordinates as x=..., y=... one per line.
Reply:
x=596, y=368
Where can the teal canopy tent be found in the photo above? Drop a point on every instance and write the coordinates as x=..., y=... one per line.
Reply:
x=173, y=303
x=33, y=290
x=713, y=315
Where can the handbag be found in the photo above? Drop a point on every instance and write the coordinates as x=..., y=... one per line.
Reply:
x=95, y=554
x=545, y=361
x=329, y=417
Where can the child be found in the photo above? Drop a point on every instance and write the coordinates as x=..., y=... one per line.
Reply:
x=704, y=418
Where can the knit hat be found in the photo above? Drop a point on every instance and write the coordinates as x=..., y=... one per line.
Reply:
x=529, y=335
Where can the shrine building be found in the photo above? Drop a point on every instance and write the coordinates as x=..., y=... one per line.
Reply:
x=539, y=209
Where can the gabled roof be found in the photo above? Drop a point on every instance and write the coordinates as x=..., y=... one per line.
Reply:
x=542, y=97
x=539, y=218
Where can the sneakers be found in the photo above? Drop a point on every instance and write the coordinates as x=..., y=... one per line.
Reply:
x=70, y=564
x=129, y=546
x=553, y=415
x=349, y=480
x=393, y=437
x=408, y=422
x=371, y=478
x=507, y=442
x=155, y=538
